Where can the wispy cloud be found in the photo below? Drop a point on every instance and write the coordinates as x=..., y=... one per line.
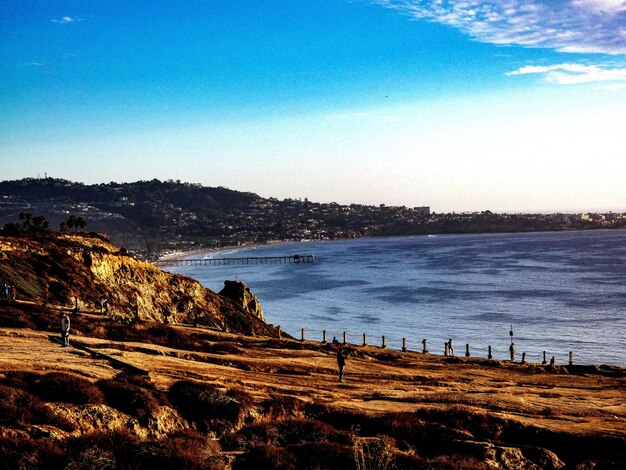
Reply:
x=572, y=74
x=586, y=26
x=67, y=19
x=33, y=64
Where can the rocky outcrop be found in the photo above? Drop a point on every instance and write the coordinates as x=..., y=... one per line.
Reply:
x=91, y=418
x=240, y=293
x=504, y=457
x=81, y=270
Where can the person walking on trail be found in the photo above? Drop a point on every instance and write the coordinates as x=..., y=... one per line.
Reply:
x=104, y=306
x=450, y=350
x=512, y=351
x=65, y=329
x=341, y=362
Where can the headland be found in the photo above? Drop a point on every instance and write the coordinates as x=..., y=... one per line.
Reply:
x=211, y=391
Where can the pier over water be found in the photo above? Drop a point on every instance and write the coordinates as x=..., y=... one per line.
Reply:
x=237, y=261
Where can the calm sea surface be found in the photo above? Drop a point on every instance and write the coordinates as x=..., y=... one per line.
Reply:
x=561, y=292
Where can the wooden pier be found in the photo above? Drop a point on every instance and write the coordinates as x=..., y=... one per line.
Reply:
x=237, y=261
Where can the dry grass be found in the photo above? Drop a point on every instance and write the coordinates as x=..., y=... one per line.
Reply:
x=279, y=402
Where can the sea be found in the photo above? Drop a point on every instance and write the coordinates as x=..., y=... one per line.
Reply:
x=551, y=291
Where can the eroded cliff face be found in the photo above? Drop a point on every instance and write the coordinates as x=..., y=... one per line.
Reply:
x=70, y=270
x=240, y=293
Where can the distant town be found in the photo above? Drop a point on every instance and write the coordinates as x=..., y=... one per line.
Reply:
x=154, y=217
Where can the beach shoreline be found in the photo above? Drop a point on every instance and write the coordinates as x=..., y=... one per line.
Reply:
x=186, y=254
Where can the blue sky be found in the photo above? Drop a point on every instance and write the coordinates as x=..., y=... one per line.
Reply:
x=461, y=105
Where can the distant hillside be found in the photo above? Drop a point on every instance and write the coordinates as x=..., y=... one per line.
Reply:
x=153, y=217
x=137, y=215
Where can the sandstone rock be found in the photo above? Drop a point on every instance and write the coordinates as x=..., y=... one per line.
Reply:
x=545, y=459
x=498, y=457
x=240, y=293
x=90, y=418
x=165, y=421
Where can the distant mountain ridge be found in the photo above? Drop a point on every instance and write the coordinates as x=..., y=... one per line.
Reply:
x=154, y=217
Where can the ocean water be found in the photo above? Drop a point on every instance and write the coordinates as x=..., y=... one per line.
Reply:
x=559, y=291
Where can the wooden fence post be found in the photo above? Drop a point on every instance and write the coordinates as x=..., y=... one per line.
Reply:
x=364, y=339
x=345, y=337
x=489, y=356
x=403, y=344
x=467, y=350
x=302, y=339
x=424, y=347
x=324, y=336
x=384, y=345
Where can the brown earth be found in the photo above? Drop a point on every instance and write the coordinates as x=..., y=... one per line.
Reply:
x=491, y=414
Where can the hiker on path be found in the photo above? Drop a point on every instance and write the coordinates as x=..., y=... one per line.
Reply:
x=450, y=350
x=13, y=293
x=512, y=351
x=341, y=362
x=104, y=306
x=65, y=329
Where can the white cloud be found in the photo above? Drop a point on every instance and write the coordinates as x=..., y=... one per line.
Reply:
x=571, y=74
x=67, y=19
x=585, y=26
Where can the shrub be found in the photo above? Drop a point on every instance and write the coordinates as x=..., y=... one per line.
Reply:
x=92, y=458
x=108, y=449
x=316, y=455
x=281, y=406
x=209, y=407
x=67, y=388
x=41, y=454
x=266, y=456
x=20, y=407
x=189, y=450
x=282, y=433
x=464, y=419
x=130, y=399
x=15, y=406
x=374, y=454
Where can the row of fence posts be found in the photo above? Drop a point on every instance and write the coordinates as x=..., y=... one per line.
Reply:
x=447, y=350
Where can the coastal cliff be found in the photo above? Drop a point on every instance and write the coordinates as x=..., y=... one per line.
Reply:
x=142, y=387
x=75, y=270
